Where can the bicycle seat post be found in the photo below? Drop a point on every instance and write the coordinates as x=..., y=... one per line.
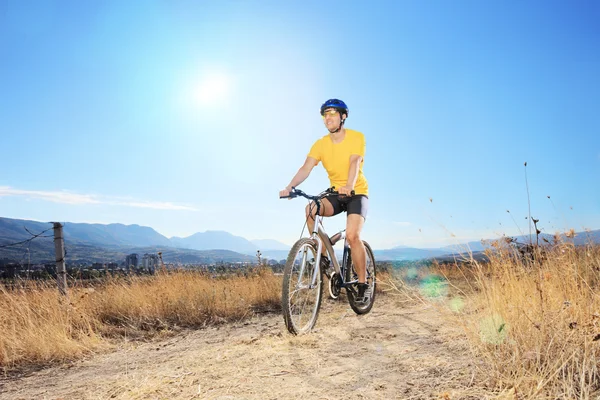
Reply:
x=337, y=237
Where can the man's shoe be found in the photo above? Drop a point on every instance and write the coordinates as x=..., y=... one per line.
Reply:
x=364, y=293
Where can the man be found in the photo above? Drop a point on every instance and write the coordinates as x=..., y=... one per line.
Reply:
x=342, y=153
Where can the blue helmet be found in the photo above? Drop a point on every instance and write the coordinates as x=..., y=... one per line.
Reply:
x=337, y=104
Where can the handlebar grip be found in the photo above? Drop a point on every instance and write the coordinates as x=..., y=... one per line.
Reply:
x=291, y=195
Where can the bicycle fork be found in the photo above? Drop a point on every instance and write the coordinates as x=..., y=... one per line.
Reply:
x=317, y=267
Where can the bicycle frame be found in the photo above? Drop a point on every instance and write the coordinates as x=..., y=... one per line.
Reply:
x=322, y=239
x=320, y=236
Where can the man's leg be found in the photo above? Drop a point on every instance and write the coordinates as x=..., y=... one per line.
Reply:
x=354, y=225
x=311, y=212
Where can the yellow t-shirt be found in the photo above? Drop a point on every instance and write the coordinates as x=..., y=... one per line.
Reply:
x=336, y=159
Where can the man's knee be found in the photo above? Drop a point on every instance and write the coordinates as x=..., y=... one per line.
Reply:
x=353, y=237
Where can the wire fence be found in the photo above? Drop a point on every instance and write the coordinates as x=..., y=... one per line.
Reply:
x=10, y=269
x=23, y=247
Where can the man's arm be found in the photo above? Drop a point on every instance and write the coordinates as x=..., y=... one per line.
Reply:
x=355, y=161
x=302, y=173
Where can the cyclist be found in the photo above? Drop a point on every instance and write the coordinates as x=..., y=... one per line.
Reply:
x=342, y=153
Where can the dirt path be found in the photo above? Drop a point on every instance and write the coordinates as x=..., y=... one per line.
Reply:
x=395, y=352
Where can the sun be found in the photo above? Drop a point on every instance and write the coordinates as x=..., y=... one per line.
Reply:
x=213, y=89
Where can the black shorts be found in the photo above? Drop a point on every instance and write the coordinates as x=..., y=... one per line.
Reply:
x=357, y=204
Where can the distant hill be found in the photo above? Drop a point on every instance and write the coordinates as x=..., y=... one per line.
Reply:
x=92, y=241
x=115, y=234
x=96, y=234
x=587, y=237
x=215, y=240
x=88, y=243
x=14, y=229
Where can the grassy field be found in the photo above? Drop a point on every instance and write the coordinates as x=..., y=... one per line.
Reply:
x=37, y=325
x=535, y=318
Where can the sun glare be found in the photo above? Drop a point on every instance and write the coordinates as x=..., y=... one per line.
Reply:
x=213, y=89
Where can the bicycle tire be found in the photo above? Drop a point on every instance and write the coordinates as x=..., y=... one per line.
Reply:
x=298, y=297
x=363, y=308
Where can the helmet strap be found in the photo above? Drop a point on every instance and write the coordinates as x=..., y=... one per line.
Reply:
x=339, y=128
x=341, y=124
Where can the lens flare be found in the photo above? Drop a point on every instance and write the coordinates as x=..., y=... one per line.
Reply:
x=457, y=304
x=493, y=329
x=434, y=286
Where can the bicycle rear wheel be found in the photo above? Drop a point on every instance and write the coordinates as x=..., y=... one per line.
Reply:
x=300, y=298
x=358, y=306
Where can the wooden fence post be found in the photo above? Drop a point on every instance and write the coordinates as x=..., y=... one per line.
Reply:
x=59, y=249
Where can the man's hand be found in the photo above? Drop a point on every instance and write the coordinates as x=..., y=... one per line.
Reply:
x=345, y=190
x=285, y=192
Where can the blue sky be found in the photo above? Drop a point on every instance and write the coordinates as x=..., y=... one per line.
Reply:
x=189, y=116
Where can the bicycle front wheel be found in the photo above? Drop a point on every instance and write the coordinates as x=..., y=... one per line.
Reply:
x=302, y=287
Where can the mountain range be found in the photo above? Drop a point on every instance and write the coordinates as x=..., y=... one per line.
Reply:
x=112, y=242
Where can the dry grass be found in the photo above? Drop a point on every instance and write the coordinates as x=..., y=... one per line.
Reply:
x=37, y=325
x=535, y=319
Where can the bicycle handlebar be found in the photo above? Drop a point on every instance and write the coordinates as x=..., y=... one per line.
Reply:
x=297, y=192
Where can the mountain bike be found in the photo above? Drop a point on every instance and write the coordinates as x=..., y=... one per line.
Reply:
x=303, y=279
